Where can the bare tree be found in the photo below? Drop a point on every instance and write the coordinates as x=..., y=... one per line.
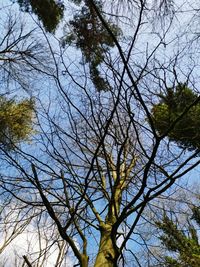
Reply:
x=22, y=54
x=97, y=159
x=29, y=238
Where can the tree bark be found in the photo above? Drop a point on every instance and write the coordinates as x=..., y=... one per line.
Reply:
x=107, y=252
x=84, y=260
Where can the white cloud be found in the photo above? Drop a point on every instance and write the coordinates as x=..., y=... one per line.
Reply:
x=32, y=240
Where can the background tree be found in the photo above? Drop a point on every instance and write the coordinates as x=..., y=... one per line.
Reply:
x=21, y=54
x=169, y=221
x=15, y=122
x=86, y=32
x=20, y=58
x=29, y=239
x=169, y=113
x=50, y=12
x=184, y=242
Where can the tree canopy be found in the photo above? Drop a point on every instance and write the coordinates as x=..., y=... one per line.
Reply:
x=50, y=12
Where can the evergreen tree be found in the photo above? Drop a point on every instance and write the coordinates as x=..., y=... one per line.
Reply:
x=177, y=115
x=49, y=12
x=15, y=122
x=87, y=33
x=184, y=243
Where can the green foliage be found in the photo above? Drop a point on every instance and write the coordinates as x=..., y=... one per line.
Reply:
x=15, y=121
x=88, y=34
x=186, y=131
x=184, y=243
x=49, y=12
x=86, y=31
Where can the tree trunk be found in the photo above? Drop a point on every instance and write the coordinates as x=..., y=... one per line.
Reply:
x=107, y=253
x=84, y=260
